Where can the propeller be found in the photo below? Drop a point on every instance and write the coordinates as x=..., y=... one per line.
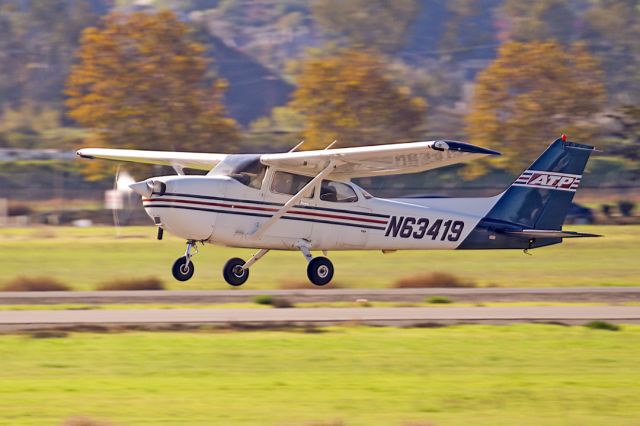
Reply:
x=120, y=197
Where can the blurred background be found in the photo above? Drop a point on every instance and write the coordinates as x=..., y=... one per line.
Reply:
x=252, y=76
x=260, y=75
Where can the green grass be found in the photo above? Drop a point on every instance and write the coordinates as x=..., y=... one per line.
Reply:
x=84, y=258
x=480, y=375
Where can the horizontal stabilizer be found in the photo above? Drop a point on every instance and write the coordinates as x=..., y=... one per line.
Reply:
x=544, y=233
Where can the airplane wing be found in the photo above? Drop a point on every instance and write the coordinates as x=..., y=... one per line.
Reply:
x=190, y=160
x=379, y=160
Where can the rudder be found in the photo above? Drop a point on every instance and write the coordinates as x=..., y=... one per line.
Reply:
x=541, y=196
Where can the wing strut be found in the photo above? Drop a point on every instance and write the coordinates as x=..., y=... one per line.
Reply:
x=293, y=200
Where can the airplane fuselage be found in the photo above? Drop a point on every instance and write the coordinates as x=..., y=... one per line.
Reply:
x=223, y=211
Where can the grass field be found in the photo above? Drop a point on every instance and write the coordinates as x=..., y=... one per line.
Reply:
x=480, y=375
x=83, y=258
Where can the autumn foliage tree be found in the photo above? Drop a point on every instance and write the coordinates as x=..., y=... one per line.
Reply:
x=140, y=82
x=349, y=97
x=532, y=93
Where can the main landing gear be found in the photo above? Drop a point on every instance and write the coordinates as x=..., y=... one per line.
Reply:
x=319, y=269
x=236, y=271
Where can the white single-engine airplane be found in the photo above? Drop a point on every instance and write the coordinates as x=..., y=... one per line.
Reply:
x=306, y=201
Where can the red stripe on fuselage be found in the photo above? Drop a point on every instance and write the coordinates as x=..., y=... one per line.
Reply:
x=264, y=209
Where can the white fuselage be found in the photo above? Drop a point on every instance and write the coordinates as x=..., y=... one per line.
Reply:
x=221, y=210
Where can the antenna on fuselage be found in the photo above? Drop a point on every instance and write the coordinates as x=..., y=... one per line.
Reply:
x=297, y=146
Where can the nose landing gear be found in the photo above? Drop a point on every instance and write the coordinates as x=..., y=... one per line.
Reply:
x=183, y=268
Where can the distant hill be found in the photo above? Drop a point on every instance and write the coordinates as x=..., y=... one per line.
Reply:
x=253, y=89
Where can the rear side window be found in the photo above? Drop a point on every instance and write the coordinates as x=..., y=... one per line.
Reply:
x=337, y=192
x=289, y=183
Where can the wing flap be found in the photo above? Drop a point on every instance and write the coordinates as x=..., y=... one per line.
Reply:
x=190, y=160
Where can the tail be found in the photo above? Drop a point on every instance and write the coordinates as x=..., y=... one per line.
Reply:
x=531, y=211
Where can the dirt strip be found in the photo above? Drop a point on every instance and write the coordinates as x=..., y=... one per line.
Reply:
x=610, y=295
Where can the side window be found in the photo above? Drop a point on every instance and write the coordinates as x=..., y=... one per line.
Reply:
x=337, y=192
x=289, y=183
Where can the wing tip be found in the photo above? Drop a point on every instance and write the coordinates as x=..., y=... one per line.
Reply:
x=82, y=154
x=466, y=147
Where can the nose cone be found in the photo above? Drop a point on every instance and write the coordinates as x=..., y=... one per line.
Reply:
x=144, y=188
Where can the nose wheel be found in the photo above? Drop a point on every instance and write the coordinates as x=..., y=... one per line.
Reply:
x=183, y=268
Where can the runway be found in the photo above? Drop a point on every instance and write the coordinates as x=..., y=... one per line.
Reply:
x=42, y=319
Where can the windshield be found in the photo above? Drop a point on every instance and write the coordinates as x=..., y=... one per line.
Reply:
x=246, y=169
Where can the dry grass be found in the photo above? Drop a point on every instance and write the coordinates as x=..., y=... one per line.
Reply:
x=35, y=284
x=433, y=280
x=306, y=285
x=149, y=283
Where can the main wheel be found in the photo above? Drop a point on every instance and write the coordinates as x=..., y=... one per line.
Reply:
x=183, y=269
x=233, y=272
x=320, y=271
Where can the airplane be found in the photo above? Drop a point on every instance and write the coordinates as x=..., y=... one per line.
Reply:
x=306, y=201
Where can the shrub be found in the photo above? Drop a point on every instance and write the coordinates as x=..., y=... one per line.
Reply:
x=149, y=283
x=263, y=299
x=433, y=280
x=602, y=325
x=85, y=421
x=439, y=300
x=35, y=284
x=606, y=210
x=281, y=302
x=626, y=207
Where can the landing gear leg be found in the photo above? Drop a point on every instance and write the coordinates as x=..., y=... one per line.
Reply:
x=236, y=270
x=319, y=269
x=183, y=267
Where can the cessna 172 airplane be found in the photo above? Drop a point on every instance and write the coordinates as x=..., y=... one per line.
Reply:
x=305, y=201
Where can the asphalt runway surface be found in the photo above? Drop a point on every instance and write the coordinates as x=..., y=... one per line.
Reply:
x=423, y=316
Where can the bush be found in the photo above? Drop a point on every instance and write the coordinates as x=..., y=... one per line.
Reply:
x=150, y=283
x=35, y=284
x=626, y=207
x=433, y=280
x=281, y=302
x=84, y=421
x=602, y=325
x=439, y=300
x=263, y=299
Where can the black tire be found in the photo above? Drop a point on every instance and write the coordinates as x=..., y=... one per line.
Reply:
x=233, y=273
x=183, y=269
x=320, y=271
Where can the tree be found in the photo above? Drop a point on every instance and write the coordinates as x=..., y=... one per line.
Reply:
x=530, y=94
x=348, y=97
x=140, y=82
x=374, y=24
x=613, y=31
x=541, y=20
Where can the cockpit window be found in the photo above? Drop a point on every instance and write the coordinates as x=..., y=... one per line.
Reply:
x=337, y=192
x=246, y=169
x=289, y=183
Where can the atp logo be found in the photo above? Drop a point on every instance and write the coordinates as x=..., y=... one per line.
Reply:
x=539, y=179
